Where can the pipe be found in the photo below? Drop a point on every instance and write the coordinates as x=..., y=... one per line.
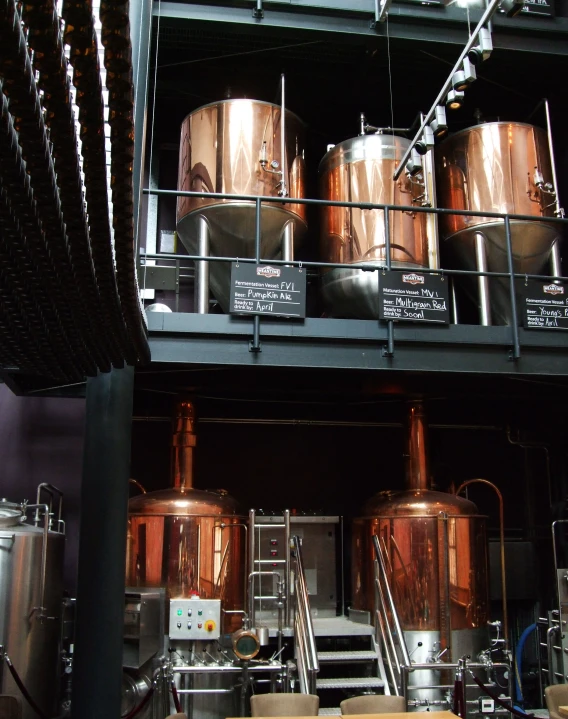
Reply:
x=202, y=269
x=288, y=242
x=183, y=443
x=482, y=281
x=502, y=546
x=417, y=476
x=498, y=700
x=559, y=212
x=250, y=588
x=287, y=571
x=518, y=660
x=283, y=163
x=27, y=696
x=138, y=485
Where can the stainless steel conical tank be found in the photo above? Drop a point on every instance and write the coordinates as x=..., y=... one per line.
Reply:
x=499, y=167
x=235, y=147
x=361, y=170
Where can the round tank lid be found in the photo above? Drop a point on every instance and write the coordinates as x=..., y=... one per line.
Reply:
x=364, y=147
x=185, y=502
x=488, y=124
x=418, y=503
x=10, y=513
x=241, y=100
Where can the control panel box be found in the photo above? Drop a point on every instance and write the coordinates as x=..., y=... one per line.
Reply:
x=193, y=619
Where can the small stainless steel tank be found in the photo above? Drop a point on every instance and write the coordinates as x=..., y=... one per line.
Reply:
x=234, y=147
x=496, y=167
x=361, y=170
x=31, y=594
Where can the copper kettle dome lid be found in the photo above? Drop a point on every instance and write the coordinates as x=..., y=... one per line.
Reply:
x=417, y=503
x=185, y=502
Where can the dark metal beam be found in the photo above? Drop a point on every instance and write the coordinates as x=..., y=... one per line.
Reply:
x=425, y=24
x=353, y=344
x=97, y=669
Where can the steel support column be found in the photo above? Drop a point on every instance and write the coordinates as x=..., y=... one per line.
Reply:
x=97, y=670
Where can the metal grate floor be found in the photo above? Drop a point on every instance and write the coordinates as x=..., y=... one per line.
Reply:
x=354, y=656
x=349, y=683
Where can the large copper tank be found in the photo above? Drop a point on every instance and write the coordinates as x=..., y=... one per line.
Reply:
x=436, y=556
x=188, y=540
x=361, y=170
x=221, y=146
x=491, y=168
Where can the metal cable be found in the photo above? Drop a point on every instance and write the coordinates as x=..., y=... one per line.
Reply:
x=24, y=105
x=118, y=64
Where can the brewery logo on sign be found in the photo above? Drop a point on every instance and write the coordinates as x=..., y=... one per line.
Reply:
x=268, y=271
x=413, y=279
x=553, y=289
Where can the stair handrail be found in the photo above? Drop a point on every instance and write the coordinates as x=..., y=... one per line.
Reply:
x=401, y=666
x=308, y=663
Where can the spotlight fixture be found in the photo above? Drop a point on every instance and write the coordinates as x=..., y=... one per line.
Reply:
x=512, y=7
x=481, y=52
x=439, y=125
x=426, y=142
x=414, y=164
x=454, y=100
x=463, y=78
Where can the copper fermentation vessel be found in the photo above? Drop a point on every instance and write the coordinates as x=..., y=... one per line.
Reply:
x=436, y=556
x=361, y=170
x=188, y=540
x=491, y=168
x=221, y=146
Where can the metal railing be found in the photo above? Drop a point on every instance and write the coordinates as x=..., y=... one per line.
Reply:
x=392, y=638
x=511, y=275
x=306, y=653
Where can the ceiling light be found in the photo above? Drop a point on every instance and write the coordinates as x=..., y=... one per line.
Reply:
x=439, y=125
x=462, y=79
x=482, y=51
x=426, y=142
x=454, y=100
x=414, y=164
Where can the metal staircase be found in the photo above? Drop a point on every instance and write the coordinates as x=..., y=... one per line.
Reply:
x=344, y=670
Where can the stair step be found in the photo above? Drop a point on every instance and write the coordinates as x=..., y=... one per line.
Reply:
x=353, y=656
x=330, y=712
x=349, y=683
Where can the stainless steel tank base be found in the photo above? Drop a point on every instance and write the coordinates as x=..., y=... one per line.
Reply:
x=423, y=647
x=531, y=245
x=354, y=293
x=232, y=234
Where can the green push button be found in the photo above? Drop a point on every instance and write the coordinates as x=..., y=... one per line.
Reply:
x=179, y=612
x=199, y=612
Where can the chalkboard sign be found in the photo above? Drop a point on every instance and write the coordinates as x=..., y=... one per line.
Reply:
x=413, y=297
x=545, y=306
x=542, y=8
x=268, y=290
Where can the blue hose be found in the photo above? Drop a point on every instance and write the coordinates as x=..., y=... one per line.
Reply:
x=519, y=659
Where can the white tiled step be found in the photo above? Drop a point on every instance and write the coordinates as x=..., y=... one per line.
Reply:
x=349, y=683
x=330, y=712
x=357, y=656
